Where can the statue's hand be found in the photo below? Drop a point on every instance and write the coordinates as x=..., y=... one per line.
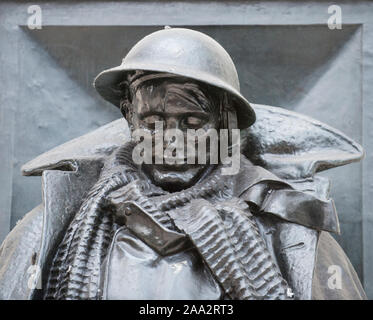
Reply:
x=191, y=217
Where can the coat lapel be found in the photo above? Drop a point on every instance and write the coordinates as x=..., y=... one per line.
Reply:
x=63, y=193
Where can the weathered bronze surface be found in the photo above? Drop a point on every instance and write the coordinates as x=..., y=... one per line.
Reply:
x=109, y=228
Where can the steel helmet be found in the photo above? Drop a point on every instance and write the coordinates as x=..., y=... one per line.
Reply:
x=183, y=52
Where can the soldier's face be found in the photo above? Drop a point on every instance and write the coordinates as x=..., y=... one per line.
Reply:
x=173, y=107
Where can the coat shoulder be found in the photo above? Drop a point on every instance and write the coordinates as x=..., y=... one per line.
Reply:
x=334, y=276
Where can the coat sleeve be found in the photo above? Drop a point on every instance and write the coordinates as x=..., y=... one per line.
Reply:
x=334, y=276
x=17, y=254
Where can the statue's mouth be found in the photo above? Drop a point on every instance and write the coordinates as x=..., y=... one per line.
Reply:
x=173, y=177
x=166, y=167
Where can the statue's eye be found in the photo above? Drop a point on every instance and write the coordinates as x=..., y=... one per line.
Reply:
x=151, y=120
x=193, y=122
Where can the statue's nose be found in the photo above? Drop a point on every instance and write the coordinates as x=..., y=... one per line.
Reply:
x=172, y=123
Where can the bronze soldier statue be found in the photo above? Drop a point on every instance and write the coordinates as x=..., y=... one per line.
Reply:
x=110, y=228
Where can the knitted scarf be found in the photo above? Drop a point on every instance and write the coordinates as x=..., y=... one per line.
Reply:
x=230, y=244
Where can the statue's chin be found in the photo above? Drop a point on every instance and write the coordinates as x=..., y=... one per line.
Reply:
x=174, y=178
